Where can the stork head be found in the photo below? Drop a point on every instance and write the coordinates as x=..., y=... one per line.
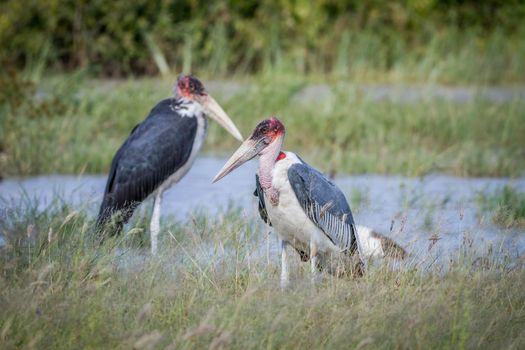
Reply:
x=266, y=140
x=190, y=88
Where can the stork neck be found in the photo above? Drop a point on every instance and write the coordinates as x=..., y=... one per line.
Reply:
x=187, y=108
x=266, y=163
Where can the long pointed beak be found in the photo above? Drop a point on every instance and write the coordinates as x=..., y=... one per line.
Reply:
x=214, y=111
x=244, y=153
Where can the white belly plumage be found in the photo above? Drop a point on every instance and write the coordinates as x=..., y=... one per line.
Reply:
x=288, y=218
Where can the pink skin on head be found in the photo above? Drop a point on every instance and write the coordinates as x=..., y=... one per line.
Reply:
x=265, y=141
x=190, y=87
x=273, y=130
x=276, y=128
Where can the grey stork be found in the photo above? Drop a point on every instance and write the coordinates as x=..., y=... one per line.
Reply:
x=159, y=152
x=306, y=209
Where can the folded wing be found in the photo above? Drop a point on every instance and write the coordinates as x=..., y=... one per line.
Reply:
x=325, y=204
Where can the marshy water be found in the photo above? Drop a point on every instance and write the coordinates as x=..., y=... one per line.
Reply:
x=432, y=216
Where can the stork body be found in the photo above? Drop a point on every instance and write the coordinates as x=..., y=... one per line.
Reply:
x=306, y=209
x=311, y=215
x=158, y=153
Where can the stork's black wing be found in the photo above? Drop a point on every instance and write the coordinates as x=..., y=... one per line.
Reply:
x=262, y=206
x=154, y=150
x=325, y=204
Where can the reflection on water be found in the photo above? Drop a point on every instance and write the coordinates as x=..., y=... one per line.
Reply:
x=436, y=213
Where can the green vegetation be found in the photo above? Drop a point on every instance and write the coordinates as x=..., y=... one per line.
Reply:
x=211, y=287
x=427, y=40
x=75, y=125
x=506, y=205
x=54, y=117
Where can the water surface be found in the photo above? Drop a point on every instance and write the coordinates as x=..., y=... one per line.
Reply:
x=435, y=214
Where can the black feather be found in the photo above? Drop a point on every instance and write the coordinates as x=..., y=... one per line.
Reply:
x=262, y=206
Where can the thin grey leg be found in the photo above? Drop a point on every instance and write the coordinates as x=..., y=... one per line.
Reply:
x=155, y=224
x=285, y=276
x=314, y=262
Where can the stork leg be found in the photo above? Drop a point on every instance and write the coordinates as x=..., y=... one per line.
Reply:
x=285, y=277
x=314, y=262
x=155, y=223
x=268, y=245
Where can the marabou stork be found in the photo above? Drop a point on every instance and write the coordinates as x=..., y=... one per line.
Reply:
x=306, y=209
x=159, y=152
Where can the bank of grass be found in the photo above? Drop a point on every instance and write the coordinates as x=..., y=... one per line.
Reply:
x=506, y=206
x=210, y=288
x=75, y=125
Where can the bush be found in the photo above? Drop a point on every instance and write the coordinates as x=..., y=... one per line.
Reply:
x=115, y=38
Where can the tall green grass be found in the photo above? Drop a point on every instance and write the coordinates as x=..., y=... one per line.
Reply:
x=76, y=125
x=506, y=205
x=209, y=288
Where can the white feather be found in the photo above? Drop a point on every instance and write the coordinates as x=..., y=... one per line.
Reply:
x=369, y=246
x=288, y=217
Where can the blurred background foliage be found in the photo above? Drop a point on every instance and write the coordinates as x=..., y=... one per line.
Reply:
x=62, y=110
x=450, y=40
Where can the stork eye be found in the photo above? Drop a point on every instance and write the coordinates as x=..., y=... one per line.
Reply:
x=264, y=129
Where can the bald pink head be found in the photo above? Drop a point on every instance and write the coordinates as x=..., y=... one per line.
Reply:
x=266, y=140
x=190, y=87
x=268, y=130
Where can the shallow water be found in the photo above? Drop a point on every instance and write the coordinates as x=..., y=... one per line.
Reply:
x=413, y=211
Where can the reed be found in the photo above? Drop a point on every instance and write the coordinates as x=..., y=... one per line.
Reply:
x=75, y=125
x=211, y=286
